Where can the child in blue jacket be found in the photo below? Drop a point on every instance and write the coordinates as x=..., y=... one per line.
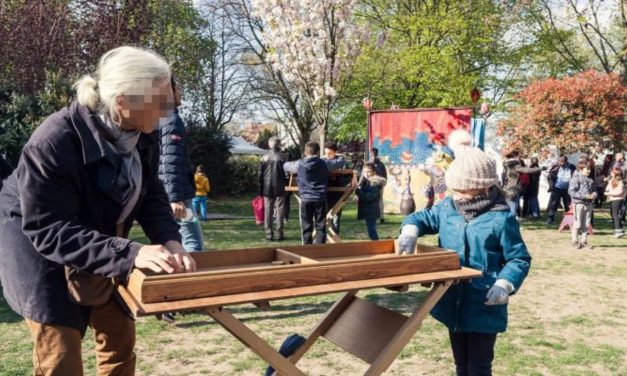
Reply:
x=476, y=223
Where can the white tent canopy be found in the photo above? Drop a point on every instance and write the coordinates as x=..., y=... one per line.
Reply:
x=241, y=146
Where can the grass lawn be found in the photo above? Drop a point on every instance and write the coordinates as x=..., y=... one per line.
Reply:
x=570, y=317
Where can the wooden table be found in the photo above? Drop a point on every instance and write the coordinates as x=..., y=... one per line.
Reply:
x=332, y=236
x=372, y=333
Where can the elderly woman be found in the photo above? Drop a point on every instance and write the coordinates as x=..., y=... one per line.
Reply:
x=87, y=172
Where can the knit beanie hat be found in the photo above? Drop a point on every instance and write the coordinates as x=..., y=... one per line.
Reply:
x=472, y=168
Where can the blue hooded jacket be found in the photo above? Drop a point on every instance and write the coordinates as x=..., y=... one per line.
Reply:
x=491, y=243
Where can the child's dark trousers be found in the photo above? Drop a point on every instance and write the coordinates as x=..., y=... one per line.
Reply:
x=473, y=353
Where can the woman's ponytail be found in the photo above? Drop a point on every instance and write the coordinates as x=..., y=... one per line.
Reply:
x=87, y=92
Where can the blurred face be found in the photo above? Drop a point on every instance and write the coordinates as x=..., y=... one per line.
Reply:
x=620, y=157
x=585, y=171
x=467, y=194
x=329, y=153
x=368, y=172
x=562, y=161
x=144, y=107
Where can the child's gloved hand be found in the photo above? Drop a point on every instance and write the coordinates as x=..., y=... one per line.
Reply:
x=499, y=293
x=407, y=239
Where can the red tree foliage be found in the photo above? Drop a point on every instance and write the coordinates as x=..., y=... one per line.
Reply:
x=579, y=112
x=252, y=131
x=66, y=36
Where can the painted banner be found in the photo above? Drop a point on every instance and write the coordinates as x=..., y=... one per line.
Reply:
x=477, y=129
x=412, y=144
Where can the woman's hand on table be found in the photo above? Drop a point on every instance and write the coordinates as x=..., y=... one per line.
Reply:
x=187, y=263
x=158, y=259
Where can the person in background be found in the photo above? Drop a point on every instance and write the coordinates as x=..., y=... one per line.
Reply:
x=523, y=210
x=587, y=157
x=312, y=177
x=600, y=183
x=175, y=171
x=583, y=192
x=559, y=179
x=202, y=190
x=334, y=162
x=379, y=170
x=84, y=176
x=288, y=194
x=512, y=168
x=368, y=193
x=477, y=224
x=616, y=192
x=532, y=190
x=272, y=188
x=621, y=164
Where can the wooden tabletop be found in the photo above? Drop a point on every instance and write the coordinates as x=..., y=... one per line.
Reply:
x=138, y=309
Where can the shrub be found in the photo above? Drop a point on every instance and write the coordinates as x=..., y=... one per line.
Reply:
x=20, y=114
x=242, y=173
x=211, y=149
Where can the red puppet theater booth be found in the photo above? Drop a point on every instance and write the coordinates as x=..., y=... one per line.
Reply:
x=412, y=144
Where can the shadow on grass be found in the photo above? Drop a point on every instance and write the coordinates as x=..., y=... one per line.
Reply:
x=400, y=302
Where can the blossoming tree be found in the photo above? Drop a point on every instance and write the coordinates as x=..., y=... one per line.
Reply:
x=314, y=44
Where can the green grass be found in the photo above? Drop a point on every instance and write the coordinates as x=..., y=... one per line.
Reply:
x=568, y=319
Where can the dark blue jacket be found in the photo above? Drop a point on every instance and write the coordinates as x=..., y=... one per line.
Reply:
x=369, y=193
x=60, y=207
x=490, y=243
x=175, y=170
x=312, y=177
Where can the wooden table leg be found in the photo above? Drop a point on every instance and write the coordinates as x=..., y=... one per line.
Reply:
x=406, y=332
x=253, y=342
x=325, y=322
x=332, y=237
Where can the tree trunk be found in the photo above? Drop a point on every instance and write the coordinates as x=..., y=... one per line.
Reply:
x=323, y=131
x=303, y=137
x=623, y=58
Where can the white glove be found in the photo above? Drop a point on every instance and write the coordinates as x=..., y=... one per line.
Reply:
x=499, y=293
x=407, y=239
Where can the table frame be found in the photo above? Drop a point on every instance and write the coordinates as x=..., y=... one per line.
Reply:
x=332, y=236
x=340, y=324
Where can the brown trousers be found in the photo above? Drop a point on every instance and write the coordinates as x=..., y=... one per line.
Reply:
x=57, y=349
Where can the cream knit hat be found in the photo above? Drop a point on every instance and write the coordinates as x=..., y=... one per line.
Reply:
x=472, y=168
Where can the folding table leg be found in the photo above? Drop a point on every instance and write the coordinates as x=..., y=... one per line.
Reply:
x=406, y=332
x=325, y=322
x=254, y=342
x=332, y=237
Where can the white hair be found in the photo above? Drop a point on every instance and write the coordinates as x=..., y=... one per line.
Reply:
x=120, y=70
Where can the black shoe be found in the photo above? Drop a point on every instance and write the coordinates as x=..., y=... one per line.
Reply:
x=382, y=221
x=168, y=317
x=280, y=238
x=549, y=222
